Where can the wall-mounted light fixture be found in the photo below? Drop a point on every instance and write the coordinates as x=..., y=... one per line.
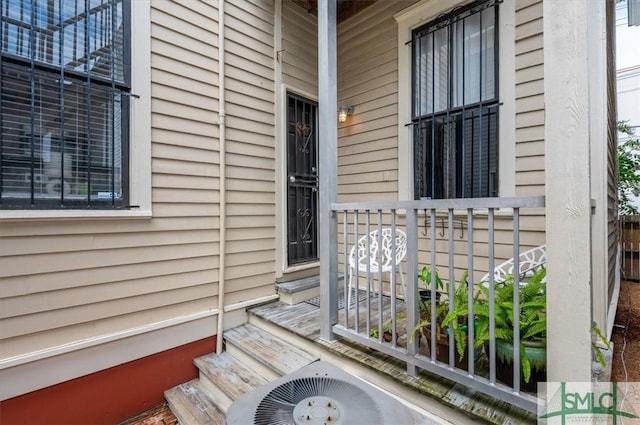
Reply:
x=343, y=112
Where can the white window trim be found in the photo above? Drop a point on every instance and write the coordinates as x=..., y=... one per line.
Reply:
x=139, y=132
x=418, y=15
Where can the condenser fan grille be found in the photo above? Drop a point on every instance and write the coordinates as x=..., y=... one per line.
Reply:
x=317, y=394
x=317, y=400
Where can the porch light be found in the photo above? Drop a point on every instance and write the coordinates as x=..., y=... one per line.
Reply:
x=343, y=112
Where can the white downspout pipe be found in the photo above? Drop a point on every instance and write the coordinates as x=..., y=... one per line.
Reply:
x=222, y=166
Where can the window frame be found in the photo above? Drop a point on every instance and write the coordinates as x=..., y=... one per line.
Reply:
x=418, y=15
x=139, y=166
x=450, y=142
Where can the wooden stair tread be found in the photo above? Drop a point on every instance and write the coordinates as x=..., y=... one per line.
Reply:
x=190, y=404
x=229, y=374
x=298, y=285
x=268, y=349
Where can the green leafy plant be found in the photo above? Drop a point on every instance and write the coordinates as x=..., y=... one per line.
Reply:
x=448, y=321
x=532, y=321
x=628, y=169
x=457, y=319
x=425, y=276
x=598, y=335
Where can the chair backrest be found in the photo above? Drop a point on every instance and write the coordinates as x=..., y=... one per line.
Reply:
x=374, y=249
x=529, y=262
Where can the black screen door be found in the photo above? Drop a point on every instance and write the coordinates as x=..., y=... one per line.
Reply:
x=302, y=179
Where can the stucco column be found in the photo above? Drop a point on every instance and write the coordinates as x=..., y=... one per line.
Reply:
x=567, y=187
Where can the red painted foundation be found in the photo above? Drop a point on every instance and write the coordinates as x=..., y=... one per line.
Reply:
x=109, y=396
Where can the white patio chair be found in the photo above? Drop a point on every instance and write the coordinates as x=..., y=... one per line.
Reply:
x=373, y=255
x=529, y=261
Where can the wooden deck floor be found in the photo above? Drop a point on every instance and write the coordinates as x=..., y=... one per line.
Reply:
x=304, y=319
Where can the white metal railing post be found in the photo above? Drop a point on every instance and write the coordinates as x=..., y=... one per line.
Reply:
x=412, y=283
x=492, y=298
x=516, y=299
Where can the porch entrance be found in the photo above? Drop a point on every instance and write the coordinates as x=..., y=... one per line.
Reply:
x=302, y=180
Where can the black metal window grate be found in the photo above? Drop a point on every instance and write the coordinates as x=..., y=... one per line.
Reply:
x=455, y=103
x=65, y=88
x=302, y=179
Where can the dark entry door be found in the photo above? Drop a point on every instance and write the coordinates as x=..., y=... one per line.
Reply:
x=302, y=179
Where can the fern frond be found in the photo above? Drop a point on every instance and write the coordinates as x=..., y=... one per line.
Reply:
x=526, y=364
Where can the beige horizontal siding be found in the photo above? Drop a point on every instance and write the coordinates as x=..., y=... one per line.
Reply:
x=530, y=134
x=250, y=147
x=109, y=323
x=191, y=210
x=187, y=182
x=92, y=242
x=186, y=154
x=78, y=278
x=52, y=319
x=530, y=104
x=185, y=126
x=367, y=177
x=300, y=55
x=368, y=79
x=247, y=245
x=250, y=293
x=165, y=66
x=38, y=229
x=250, y=210
x=529, y=149
x=33, y=264
x=529, y=99
x=75, y=297
x=362, y=148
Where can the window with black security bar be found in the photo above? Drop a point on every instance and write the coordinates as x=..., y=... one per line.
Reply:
x=455, y=104
x=65, y=90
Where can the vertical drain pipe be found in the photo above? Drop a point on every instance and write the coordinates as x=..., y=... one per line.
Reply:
x=222, y=177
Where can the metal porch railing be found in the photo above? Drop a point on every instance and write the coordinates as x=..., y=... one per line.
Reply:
x=449, y=238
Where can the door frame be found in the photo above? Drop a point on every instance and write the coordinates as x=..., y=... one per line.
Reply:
x=282, y=262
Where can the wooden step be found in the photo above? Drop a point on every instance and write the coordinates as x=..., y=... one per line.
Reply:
x=191, y=405
x=226, y=378
x=298, y=290
x=272, y=356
